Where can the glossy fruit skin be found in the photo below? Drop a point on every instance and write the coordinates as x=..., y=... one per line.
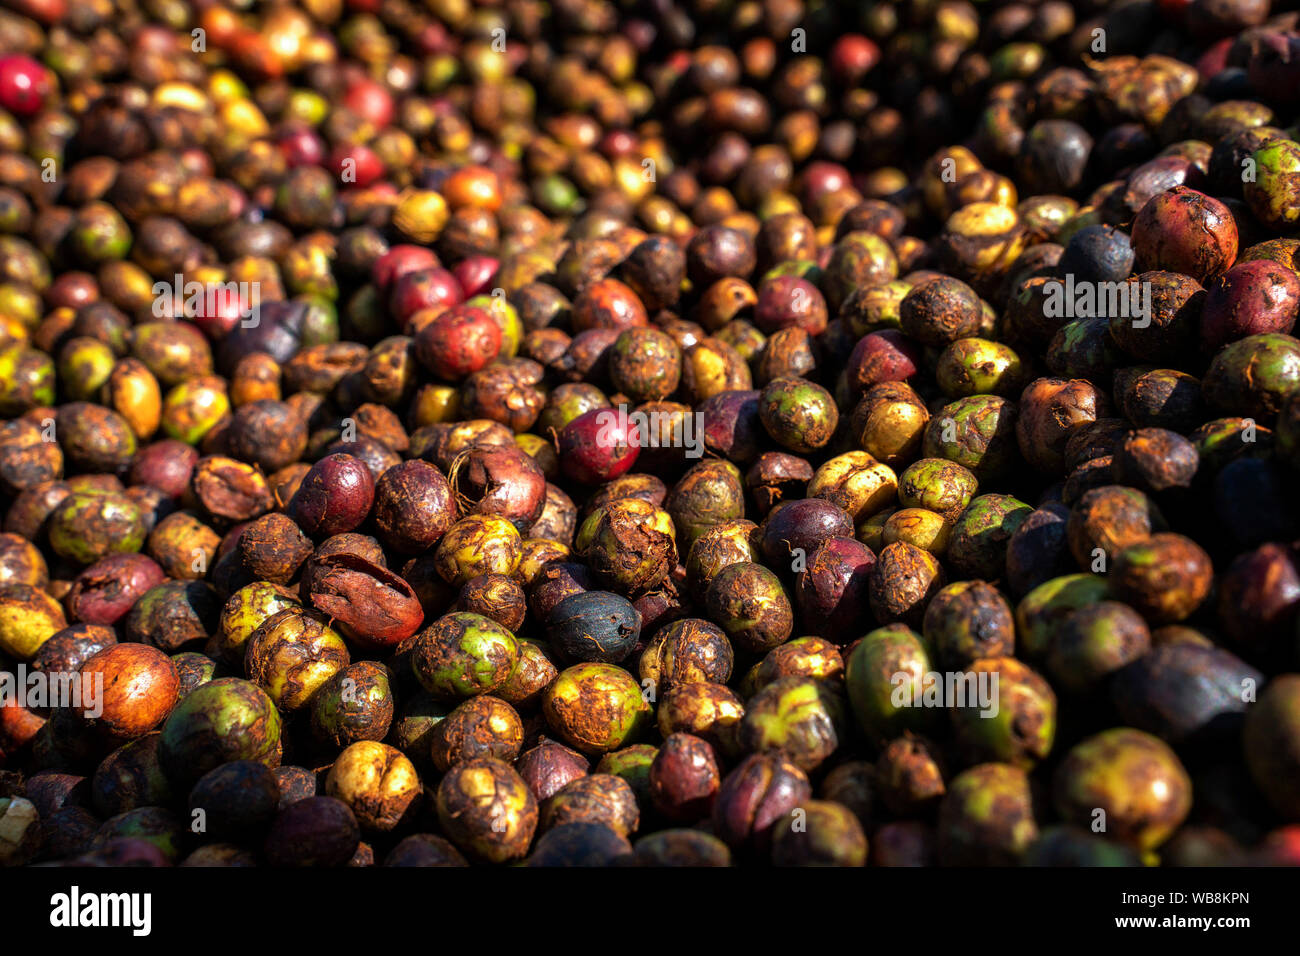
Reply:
x=1165, y=577
x=475, y=545
x=1271, y=194
x=140, y=687
x=598, y=445
x=1252, y=376
x=834, y=587
x=883, y=356
x=1185, y=231
x=503, y=265
x=28, y=618
x=335, y=496
x=684, y=778
x=226, y=719
x=1133, y=777
x=549, y=767
x=1042, y=609
x=1022, y=731
x=244, y=612
x=24, y=84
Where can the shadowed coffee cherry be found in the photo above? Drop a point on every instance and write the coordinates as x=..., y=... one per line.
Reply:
x=424, y=849
x=907, y=843
x=1270, y=734
x=870, y=680
x=686, y=651
x=1250, y=298
x=967, y=621
x=238, y=799
x=757, y=797
x=316, y=831
x=829, y=835
x=684, y=778
x=987, y=817
x=1166, y=577
x=224, y=720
